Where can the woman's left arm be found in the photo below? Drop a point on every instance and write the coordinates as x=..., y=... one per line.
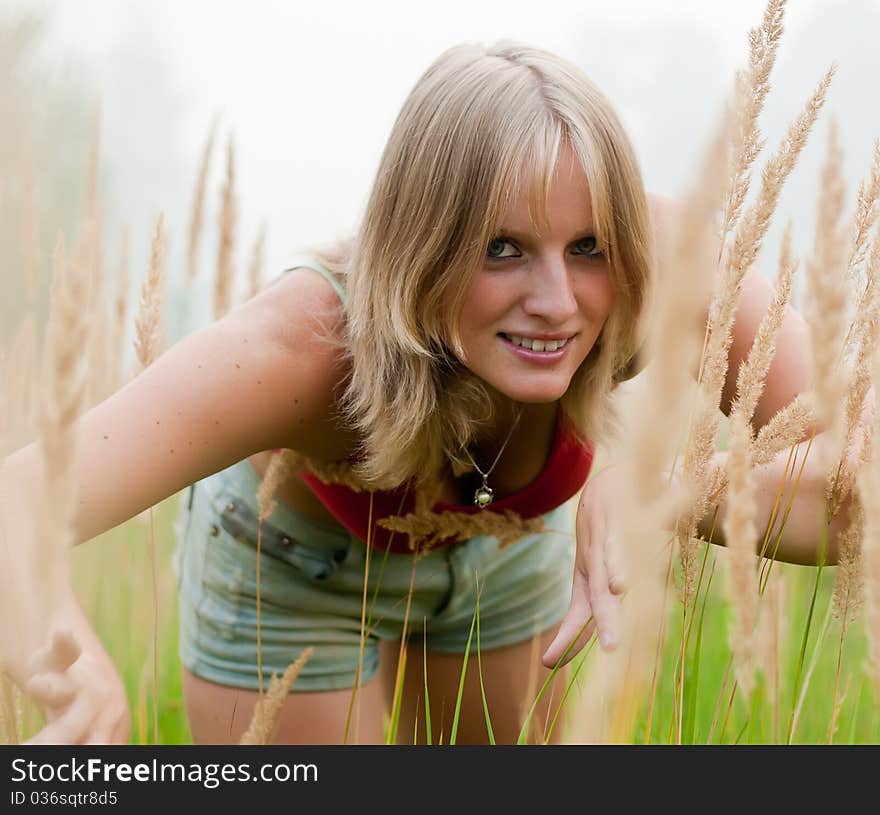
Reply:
x=790, y=374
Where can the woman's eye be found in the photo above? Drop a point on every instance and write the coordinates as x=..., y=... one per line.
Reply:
x=592, y=244
x=496, y=246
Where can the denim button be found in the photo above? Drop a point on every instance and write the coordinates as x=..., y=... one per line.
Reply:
x=242, y=523
x=215, y=531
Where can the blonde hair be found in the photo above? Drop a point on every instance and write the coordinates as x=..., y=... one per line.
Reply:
x=479, y=122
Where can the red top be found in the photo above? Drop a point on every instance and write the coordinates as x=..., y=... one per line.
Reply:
x=565, y=472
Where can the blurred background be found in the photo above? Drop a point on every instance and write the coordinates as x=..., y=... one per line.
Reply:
x=309, y=91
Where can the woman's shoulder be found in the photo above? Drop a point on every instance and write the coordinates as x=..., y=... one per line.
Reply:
x=303, y=306
x=302, y=316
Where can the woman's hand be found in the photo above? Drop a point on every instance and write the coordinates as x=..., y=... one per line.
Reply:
x=81, y=694
x=599, y=579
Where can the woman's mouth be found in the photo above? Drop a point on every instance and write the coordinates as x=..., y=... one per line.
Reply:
x=537, y=350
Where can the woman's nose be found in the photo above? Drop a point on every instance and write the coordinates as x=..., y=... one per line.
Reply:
x=550, y=294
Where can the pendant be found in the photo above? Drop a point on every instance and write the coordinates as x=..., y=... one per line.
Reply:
x=483, y=496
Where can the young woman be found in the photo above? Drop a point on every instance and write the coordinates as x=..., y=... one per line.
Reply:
x=456, y=355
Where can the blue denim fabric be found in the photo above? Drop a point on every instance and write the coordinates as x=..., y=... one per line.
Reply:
x=312, y=589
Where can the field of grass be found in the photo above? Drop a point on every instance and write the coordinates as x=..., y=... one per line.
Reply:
x=114, y=581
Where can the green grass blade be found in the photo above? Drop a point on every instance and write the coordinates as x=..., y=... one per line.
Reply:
x=694, y=674
x=398, y=701
x=464, y=663
x=568, y=687
x=480, y=672
x=425, y=675
x=803, y=651
x=524, y=731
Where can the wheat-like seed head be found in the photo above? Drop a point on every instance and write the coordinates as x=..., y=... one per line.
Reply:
x=867, y=211
x=120, y=308
x=265, y=715
x=62, y=401
x=255, y=269
x=197, y=218
x=282, y=466
x=228, y=217
x=750, y=378
x=826, y=306
x=752, y=87
x=148, y=336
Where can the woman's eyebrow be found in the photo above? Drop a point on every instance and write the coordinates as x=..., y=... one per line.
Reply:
x=587, y=231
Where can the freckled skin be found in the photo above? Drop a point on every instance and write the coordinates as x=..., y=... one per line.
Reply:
x=549, y=283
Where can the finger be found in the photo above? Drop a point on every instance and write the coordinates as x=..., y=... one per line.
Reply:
x=605, y=606
x=613, y=564
x=572, y=625
x=61, y=652
x=51, y=690
x=71, y=728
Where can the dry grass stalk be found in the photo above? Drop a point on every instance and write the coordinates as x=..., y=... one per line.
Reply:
x=265, y=715
x=63, y=399
x=787, y=427
x=282, y=467
x=848, y=580
x=148, y=345
x=91, y=251
x=148, y=339
x=825, y=308
x=30, y=229
x=19, y=386
x=638, y=512
x=673, y=343
x=867, y=211
x=224, y=280
x=747, y=241
x=10, y=721
x=750, y=378
x=863, y=336
x=426, y=529
x=98, y=349
x=769, y=637
x=330, y=472
x=197, y=218
x=868, y=485
x=752, y=87
x=618, y=680
x=255, y=269
x=115, y=373
x=740, y=536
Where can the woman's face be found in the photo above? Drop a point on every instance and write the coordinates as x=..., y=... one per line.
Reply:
x=555, y=289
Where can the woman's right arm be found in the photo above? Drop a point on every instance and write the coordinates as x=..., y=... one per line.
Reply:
x=257, y=379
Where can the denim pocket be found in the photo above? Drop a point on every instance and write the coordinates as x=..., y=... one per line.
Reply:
x=319, y=554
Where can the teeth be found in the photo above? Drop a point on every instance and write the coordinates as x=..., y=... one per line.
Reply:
x=536, y=345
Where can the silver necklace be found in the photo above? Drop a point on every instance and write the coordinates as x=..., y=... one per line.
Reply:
x=484, y=494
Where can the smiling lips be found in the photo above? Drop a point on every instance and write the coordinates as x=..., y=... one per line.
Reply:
x=545, y=345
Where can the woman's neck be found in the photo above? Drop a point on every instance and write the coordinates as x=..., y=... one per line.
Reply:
x=533, y=423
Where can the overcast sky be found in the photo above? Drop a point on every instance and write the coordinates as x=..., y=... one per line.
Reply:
x=309, y=92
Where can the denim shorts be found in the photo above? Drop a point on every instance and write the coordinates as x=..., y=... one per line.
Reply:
x=312, y=589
